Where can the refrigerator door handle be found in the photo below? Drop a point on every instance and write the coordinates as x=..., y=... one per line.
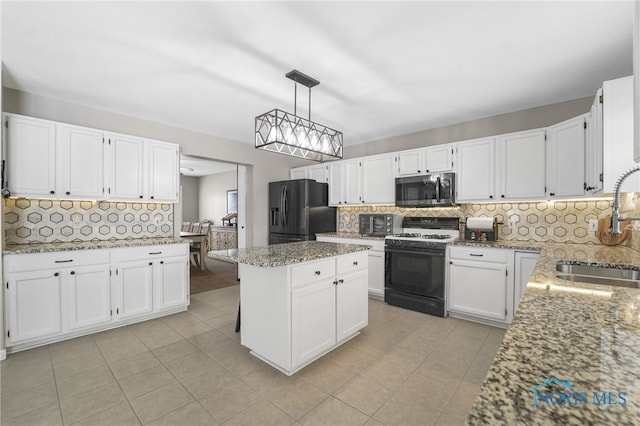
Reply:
x=284, y=205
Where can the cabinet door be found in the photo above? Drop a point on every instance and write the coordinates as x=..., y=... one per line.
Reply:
x=135, y=288
x=593, y=150
x=126, y=168
x=32, y=157
x=89, y=292
x=33, y=305
x=476, y=165
x=163, y=171
x=80, y=163
x=617, y=134
x=411, y=162
x=313, y=321
x=352, y=183
x=352, y=305
x=335, y=177
x=525, y=263
x=566, y=158
x=317, y=173
x=378, y=179
x=478, y=289
x=298, y=173
x=521, y=165
x=439, y=159
x=376, y=273
x=171, y=282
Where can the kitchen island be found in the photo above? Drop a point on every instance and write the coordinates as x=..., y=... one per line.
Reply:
x=300, y=300
x=572, y=352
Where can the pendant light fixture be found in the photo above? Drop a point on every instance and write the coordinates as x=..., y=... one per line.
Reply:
x=289, y=134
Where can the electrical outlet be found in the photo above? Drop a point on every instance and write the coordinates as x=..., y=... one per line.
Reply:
x=593, y=224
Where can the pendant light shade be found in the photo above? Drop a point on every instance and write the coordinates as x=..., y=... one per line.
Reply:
x=289, y=134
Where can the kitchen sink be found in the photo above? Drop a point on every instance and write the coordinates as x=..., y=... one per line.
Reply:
x=599, y=275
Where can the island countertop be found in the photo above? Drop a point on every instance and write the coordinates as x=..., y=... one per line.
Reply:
x=583, y=338
x=285, y=254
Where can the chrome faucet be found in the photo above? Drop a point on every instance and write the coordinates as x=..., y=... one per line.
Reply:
x=615, y=217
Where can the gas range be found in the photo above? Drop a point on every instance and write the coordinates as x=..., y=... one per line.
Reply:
x=427, y=232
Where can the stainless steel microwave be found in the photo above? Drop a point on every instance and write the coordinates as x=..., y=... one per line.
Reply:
x=380, y=224
x=430, y=190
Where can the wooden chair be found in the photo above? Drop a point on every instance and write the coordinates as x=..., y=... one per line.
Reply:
x=186, y=226
x=195, y=227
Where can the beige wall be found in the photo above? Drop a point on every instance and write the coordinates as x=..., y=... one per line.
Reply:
x=527, y=119
x=190, y=200
x=212, y=192
x=265, y=166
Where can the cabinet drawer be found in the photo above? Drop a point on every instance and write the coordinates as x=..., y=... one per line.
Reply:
x=60, y=259
x=150, y=252
x=479, y=253
x=352, y=262
x=313, y=271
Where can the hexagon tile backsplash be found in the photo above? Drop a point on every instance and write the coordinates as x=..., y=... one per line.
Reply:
x=558, y=221
x=29, y=221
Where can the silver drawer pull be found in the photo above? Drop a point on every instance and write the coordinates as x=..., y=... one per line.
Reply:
x=476, y=255
x=64, y=261
x=317, y=272
x=355, y=263
x=156, y=252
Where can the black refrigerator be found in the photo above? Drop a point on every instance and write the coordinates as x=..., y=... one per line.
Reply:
x=298, y=210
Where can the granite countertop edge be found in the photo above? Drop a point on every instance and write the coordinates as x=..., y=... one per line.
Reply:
x=88, y=245
x=277, y=255
x=567, y=330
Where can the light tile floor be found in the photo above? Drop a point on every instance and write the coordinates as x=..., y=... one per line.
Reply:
x=406, y=368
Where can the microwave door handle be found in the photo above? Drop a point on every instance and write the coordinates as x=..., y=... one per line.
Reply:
x=438, y=189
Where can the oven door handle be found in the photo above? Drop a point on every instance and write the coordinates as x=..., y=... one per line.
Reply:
x=428, y=251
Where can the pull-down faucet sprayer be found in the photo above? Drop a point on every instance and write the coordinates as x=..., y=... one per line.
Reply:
x=615, y=216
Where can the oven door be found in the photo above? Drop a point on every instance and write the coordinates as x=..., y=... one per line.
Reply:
x=413, y=271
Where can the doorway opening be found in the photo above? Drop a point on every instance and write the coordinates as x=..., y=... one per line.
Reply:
x=212, y=203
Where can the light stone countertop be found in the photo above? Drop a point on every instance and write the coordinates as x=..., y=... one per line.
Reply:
x=285, y=254
x=89, y=245
x=586, y=333
x=350, y=235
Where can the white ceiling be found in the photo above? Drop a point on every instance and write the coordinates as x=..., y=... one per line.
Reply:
x=385, y=68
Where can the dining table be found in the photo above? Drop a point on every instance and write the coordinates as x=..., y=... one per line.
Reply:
x=201, y=240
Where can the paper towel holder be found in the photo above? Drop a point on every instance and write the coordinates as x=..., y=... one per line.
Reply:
x=481, y=235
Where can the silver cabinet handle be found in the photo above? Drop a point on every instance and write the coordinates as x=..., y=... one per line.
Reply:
x=476, y=255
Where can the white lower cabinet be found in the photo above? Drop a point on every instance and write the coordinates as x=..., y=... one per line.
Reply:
x=56, y=296
x=33, y=305
x=486, y=284
x=480, y=284
x=376, y=261
x=89, y=295
x=292, y=315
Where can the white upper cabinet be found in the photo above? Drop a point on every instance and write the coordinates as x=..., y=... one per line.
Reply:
x=163, y=168
x=617, y=134
x=378, y=179
x=47, y=159
x=368, y=180
x=31, y=156
x=298, y=173
x=593, y=151
x=80, y=163
x=439, y=158
x=50, y=160
x=521, y=165
x=475, y=179
x=411, y=162
x=433, y=159
x=566, y=153
x=318, y=173
x=126, y=172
